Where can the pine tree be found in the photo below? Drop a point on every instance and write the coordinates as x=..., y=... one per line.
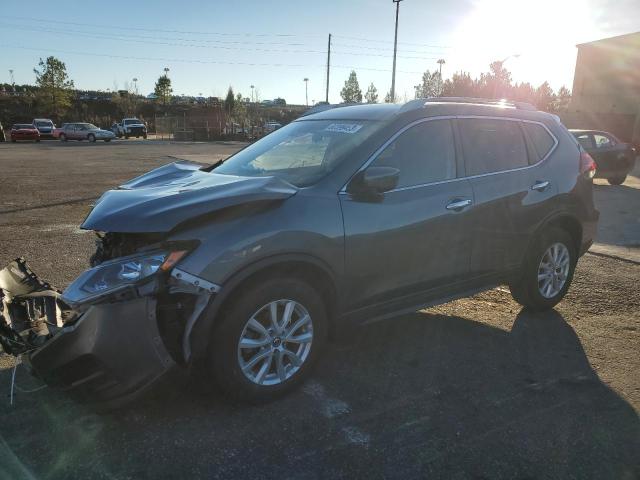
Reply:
x=372, y=94
x=351, y=92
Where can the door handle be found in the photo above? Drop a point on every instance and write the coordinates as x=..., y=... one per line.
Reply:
x=540, y=186
x=458, y=205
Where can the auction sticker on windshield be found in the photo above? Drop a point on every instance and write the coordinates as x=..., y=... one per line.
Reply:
x=343, y=128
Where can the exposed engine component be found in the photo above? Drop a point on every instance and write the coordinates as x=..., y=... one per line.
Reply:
x=31, y=310
x=112, y=245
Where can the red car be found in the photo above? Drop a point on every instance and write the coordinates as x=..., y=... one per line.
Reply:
x=24, y=131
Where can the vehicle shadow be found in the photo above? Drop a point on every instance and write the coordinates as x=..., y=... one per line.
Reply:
x=422, y=395
x=619, y=222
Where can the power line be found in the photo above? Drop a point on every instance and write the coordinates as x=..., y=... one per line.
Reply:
x=198, y=61
x=133, y=37
x=76, y=33
x=388, y=42
x=155, y=30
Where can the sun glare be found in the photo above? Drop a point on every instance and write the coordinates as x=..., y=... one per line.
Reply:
x=542, y=33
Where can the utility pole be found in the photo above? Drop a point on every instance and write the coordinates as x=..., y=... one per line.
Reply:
x=395, y=50
x=328, y=65
x=252, y=87
x=13, y=82
x=306, y=91
x=440, y=63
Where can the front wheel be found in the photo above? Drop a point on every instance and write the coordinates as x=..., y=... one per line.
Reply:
x=268, y=339
x=547, y=272
x=91, y=138
x=617, y=180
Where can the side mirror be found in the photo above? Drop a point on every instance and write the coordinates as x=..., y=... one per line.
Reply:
x=374, y=181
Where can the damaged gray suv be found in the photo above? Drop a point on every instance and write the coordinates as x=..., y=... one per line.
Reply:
x=240, y=271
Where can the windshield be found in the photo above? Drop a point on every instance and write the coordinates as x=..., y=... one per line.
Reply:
x=132, y=120
x=23, y=126
x=44, y=124
x=300, y=153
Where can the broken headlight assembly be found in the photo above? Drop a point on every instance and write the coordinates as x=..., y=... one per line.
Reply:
x=118, y=274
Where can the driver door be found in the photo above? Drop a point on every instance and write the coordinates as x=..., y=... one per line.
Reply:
x=413, y=238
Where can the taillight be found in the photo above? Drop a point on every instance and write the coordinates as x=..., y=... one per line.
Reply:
x=587, y=165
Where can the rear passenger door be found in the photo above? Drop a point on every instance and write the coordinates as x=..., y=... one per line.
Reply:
x=511, y=185
x=414, y=237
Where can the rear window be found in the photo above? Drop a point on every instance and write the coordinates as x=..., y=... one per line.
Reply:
x=492, y=145
x=43, y=124
x=542, y=141
x=584, y=139
x=21, y=126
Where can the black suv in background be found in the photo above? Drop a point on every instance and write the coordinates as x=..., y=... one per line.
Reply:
x=344, y=216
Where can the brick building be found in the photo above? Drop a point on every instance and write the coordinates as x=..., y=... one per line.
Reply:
x=606, y=87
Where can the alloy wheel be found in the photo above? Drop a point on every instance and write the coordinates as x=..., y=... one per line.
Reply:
x=275, y=342
x=553, y=270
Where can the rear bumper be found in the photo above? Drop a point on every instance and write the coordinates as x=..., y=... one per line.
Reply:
x=112, y=353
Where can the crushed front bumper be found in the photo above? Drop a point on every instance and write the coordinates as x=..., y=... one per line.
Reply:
x=111, y=353
x=106, y=354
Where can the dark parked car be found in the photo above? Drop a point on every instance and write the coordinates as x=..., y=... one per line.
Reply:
x=84, y=131
x=614, y=159
x=24, y=131
x=240, y=270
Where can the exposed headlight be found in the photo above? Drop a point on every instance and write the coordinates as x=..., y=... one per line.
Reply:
x=117, y=274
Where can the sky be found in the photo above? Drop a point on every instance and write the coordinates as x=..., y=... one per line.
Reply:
x=275, y=44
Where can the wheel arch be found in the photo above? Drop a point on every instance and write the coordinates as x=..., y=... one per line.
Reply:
x=305, y=267
x=568, y=223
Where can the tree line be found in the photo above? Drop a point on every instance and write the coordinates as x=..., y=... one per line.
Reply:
x=496, y=83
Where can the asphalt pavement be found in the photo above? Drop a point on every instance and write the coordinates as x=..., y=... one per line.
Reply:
x=476, y=388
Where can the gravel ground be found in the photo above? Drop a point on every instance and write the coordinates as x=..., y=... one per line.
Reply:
x=475, y=388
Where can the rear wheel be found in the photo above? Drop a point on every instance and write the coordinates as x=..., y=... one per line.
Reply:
x=268, y=339
x=91, y=137
x=37, y=140
x=63, y=137
x=107, y=139
x=619, y=180
x=13, y=140
x=547, y=271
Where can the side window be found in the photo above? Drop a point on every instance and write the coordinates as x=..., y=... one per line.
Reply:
x=492, y=145
x=542, y=141
x=425, y=153
x=602, y=141
x=585, y=140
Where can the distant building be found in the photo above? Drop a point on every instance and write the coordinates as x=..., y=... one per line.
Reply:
x=606, y=86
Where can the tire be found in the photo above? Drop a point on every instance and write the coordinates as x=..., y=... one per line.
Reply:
x=527, y=290
x=62, y=137
x=616, y=180
x=13, y=140
x=91, y=137
x=127, y=137
x=144, y=136
x=38, y=140
x=107, y=140
x=224, y=358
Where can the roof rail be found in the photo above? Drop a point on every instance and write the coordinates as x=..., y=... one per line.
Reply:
x=422, y=102
x=326, y=106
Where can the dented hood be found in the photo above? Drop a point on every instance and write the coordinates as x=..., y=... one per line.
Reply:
x=160, y=200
